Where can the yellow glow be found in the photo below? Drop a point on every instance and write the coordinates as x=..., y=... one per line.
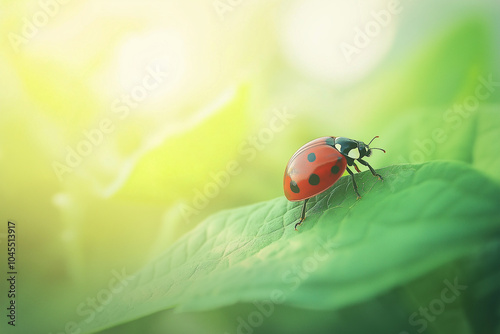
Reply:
x=337, y=41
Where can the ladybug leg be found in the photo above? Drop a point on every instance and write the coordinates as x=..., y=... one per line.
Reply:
x=303, y=215
x=371, y=169
x=353, y=182
x=356, y=167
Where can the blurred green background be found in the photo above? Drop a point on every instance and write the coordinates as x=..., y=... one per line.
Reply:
x=123, y=124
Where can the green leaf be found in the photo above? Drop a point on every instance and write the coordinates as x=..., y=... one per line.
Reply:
x=419, y=218
x=186, y=158
x=443, y=133
x=459, y=52
x=485, y=153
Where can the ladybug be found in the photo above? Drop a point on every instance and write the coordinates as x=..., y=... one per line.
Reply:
x=317, y=165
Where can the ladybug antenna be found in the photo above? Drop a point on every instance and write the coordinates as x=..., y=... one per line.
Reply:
x=372, y=140
x=376, y=148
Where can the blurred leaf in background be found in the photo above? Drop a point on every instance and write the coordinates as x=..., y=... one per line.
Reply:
x=123, y=125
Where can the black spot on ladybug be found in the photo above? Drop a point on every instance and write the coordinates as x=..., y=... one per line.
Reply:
x=330, y=141
x=294, y=187
x=311, y=157
x=314, y=179
x=335, y=169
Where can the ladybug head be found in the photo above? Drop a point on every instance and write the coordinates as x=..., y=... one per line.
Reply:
x=354, y=149
x=365, y=150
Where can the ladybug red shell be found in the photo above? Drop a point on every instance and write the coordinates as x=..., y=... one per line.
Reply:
x=317, y=165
